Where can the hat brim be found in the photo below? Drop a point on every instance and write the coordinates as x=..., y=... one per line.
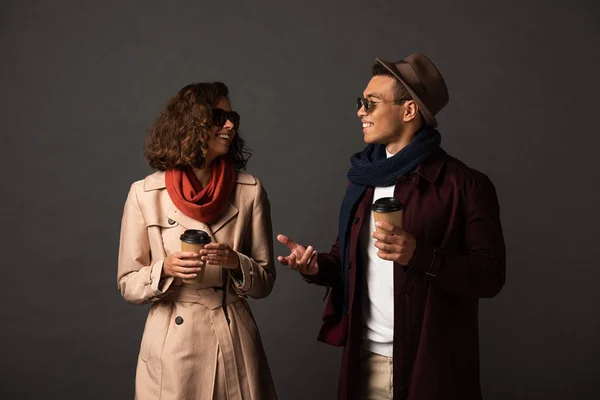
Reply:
x=427, y=115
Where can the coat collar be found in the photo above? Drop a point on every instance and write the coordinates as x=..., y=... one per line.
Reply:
x=156, y=181
x=431, y=168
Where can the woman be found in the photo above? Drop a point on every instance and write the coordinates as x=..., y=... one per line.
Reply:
x=200, y=340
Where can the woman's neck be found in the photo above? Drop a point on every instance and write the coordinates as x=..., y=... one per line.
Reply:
x=204, y=175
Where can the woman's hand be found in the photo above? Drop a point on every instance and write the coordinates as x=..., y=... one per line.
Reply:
x=183, y=265
x=220, y=254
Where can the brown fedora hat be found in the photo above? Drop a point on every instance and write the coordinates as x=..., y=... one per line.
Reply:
x=423, y=82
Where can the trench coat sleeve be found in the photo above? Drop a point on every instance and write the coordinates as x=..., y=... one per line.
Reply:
x=329, y=273
x=138, y=279
x=257, y=264
x=478, y=269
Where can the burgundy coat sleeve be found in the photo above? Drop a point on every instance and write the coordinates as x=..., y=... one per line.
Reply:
x=477, y=267
x=329, y=268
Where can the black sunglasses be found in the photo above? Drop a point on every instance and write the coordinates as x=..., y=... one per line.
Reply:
x=220, y=117
x=369, y=105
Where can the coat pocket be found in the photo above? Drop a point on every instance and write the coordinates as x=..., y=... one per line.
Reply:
x=155, y=331
x=334, y=330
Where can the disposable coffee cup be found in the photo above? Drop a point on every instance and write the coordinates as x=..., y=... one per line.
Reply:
x=387, y=209
x=194, y=240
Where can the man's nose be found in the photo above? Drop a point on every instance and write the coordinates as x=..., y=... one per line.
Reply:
x=361, y=111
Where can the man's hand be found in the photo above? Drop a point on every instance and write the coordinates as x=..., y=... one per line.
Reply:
x=301, y=258
x=396, y=245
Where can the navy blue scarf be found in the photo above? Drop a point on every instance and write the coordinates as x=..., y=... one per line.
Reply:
x=371, y=167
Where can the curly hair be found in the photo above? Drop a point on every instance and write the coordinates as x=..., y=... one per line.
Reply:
x=179, y=137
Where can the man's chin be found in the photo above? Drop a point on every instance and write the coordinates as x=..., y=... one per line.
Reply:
x=369, y=139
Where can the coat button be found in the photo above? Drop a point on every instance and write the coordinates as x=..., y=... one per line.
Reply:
x=348, y=265
x=179, y=320
x=356, y=220
x=171, y=222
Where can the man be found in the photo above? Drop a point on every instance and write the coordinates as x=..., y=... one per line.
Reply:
x=404, y=304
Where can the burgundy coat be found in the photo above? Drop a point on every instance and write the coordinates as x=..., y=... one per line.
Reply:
x=452, y=211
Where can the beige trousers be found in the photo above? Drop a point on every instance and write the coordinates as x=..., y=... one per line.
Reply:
x=376, y=376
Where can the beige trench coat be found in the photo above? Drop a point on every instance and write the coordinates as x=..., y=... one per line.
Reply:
x=188, y=350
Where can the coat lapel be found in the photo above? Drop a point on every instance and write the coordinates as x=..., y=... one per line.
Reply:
x=230, y=213
x=176, y=215
x=226, y=217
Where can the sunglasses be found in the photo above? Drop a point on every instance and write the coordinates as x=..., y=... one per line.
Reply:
x=220, y=117
x=369, y=105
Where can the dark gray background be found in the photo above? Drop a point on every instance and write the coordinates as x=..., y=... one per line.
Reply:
x=81, y=82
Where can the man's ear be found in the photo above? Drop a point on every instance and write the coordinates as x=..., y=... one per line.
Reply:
x=411, y=111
